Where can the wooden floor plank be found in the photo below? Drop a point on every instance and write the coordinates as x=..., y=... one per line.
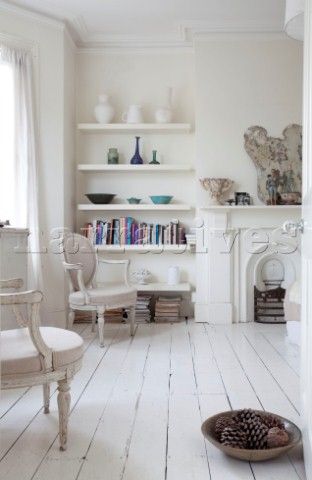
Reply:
x=41, y=432
x=138, y=405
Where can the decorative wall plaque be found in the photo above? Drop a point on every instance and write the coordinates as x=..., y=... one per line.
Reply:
x=278, y=162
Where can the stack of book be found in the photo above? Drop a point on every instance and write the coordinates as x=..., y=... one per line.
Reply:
x=127, y=231
x=114, y=316
x=167, y=309
x=143, y=308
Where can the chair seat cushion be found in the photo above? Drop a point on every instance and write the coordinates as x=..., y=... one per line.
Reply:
x=19, y=355
x=108, y=295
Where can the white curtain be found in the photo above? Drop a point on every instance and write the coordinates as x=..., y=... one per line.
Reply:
x=26, y=206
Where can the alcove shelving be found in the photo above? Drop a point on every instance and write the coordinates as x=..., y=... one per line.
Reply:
x=171, y=177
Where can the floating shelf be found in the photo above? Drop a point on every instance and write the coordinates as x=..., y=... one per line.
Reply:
x=97, y=168
x=113, y=207
x=135, y=127
x=163, y=287
x=179, y=249
x=249, y=208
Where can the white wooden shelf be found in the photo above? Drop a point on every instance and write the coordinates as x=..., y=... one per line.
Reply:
x=97, y=168
x=179, y=249
x=119, y=207
x=164, y=287
x=134, y=127
x=249, y=208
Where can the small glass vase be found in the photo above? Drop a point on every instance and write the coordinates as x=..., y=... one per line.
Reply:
x=137, y=159
x=154, y=161
x=112, y=156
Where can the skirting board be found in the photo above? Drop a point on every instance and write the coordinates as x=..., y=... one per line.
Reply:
x=214, y=313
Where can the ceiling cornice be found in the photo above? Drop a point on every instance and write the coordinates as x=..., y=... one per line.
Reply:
x=183, y=37
x=31, y=14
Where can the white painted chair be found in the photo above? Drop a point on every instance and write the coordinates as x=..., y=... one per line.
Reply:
x=81, y=265
x=33, y=355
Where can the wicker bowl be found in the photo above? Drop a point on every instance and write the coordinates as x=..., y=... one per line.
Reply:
x=208, y=430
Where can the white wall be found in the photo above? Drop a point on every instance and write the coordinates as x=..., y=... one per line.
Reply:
x=139, y=77
x=53, y=101
x=242, y=80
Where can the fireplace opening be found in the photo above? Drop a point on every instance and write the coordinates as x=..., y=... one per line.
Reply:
x=269, y=301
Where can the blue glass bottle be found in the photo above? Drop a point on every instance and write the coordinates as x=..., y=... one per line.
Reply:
x=137, y=159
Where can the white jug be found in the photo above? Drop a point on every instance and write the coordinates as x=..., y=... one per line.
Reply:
x=133, y=115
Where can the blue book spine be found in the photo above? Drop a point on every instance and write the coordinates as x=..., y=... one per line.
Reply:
x=129, y=221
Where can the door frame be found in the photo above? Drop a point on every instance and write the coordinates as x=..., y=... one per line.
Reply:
x=306, y=317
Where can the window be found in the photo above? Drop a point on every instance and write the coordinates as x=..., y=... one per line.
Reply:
x=7, y=162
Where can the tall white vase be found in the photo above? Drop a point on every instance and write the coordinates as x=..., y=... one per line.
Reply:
x=104, y=111
x=164, y=114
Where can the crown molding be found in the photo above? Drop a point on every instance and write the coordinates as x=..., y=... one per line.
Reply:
x=182, y=39
x=239, y=35
x=142, y=49
x=32, y=15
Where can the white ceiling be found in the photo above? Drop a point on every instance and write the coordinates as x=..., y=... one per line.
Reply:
x=158, y=21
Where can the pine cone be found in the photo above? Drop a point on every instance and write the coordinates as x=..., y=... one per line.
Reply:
x=256, y=431
x=221, y=423
x=277, y=437
x=271, y=421
x=257, y=437
x=247, y=415
x=233, y=436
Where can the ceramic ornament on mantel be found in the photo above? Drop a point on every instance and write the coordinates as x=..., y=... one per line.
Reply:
x=216, y=187
x=163, y=114
x=104, y=112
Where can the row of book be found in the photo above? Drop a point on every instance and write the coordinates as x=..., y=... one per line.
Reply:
x=167, y=309
x=127, y=231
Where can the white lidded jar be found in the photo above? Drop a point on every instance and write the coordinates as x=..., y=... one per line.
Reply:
x=173, y=275
x=104, y=111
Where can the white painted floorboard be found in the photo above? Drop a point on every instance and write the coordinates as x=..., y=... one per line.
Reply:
x=138, y=404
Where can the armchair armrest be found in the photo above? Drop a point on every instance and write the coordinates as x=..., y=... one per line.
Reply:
x=11, y=283
x=126, y=263
x=78, y=268
x=32, y=300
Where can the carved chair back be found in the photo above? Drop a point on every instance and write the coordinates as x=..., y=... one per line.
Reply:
x=78, y=249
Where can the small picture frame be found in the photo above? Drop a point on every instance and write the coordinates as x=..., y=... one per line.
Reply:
x=242, y=198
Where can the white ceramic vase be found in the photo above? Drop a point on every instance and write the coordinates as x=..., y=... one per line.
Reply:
x=104, y=111
x=164, y=114
x=216, y=188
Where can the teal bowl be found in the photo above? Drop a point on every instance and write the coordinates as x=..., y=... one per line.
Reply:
x=161, y=199
x=133, y=200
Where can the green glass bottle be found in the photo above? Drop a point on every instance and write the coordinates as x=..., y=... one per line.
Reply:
x=112, y=156
x=154, y=161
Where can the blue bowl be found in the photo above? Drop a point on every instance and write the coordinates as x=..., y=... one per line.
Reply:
x=161, y=199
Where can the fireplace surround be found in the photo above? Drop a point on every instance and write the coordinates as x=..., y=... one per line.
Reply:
x=233, y=245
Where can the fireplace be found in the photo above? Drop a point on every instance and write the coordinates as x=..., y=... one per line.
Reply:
x=240, y=249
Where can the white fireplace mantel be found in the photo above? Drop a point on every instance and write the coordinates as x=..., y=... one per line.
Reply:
x=227, y=239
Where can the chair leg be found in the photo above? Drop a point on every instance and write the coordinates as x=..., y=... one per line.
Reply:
x=70, y=319
x=63, y=401
x=93, y=320
x=132, y=320
x=100, y=312
x=46, y=398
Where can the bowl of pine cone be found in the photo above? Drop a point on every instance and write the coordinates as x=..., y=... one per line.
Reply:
x=251, y=435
